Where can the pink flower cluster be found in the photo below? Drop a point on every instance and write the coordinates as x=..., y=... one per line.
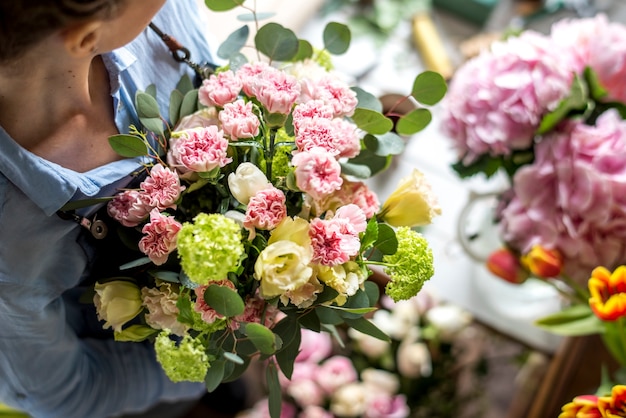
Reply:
x=266, y=209
x=573, y=197
x=198, y=150
x=336, y=240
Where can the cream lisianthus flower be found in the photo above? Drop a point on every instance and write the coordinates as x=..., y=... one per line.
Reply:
x=117, y=302
x=412, y=203
x=292, y=229
x=246, y=181
x=282, y=266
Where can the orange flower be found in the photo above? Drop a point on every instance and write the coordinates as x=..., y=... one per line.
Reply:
x=542, y=262
x=608, y=293
x=506, y=265
x=613, y=406
x=584, y=406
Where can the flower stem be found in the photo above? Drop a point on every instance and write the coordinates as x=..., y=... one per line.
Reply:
x=581, y=294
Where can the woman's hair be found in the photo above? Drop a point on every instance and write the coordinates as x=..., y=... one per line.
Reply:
x=23, y=23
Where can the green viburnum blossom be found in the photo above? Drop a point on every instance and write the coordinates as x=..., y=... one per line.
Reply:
x=410, y=267
x=323, y=58
x=210, y=247
x=185, y=362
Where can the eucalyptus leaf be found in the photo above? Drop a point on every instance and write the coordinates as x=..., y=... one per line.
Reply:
x=148, y=112
x=235, y=370
x=129, y=146
x=262, y=337
x=387, y=243
x=214, y=375
x=185, y=84
x=276, y=42
x=275, y=392
x=385, y=144
x=305, y=51
x=224, y=300
x=371, y=121
x=176, y=101
x=135, y=263
x=233, y=358
x=355, y=170
x=367, y=327
x=234, y=42
x=189, y=104
x=413, y=122
x=336, y=38
x=166, y=276
x=151, y=90
x=429, y=88
x=367, y=158
x=372, y=291
x=253, y=17
x=367, y=100
x=222, y=5
x=237, y=61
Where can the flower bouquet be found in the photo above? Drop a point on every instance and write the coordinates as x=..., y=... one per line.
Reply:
x=251, y=220
x=414, y=376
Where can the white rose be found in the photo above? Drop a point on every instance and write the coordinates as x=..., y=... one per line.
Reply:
x=349, y=400
x=377, y=380
x=448, y=320
x=246, y=181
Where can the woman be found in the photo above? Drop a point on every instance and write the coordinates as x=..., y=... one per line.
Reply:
x=69, y=70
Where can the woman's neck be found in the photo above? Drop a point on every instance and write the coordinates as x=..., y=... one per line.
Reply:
x=60, y=110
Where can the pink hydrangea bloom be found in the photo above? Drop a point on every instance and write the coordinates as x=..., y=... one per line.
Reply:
x=384, y=405
x=219, y=89
x=266, y=209
x=332, y=91
x=199, y=150
x=238, y=120
x=159, y=238
x=129, y=207
x=248, y=73
x=276, y=90
x=208, y=314
x=336, y=372
x=573, y=197
x=317, y=172
x=310, y=110
x=162, y=187
x=496, y=101
x=162, y=309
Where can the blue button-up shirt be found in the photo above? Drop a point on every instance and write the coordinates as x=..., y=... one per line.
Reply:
x=51, y=364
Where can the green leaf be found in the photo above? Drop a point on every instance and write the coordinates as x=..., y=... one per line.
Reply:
x=384, y=145
x=275, y=392
x=310, y=320
x=575, y=102
x=387, y=243
x=305, y=50
x=357, y=305
x=185, y=84
x=596, y=89
x=326, y=295
x=129, y=146
x=289, y=331
x=360, y=171
x=233, y=358
x=222, y=5
x=372, y=122
x=413, y=122
x=234, y=42
x=372, y=291
x=185, y=313
x=148, y=112
x=485, y=164
x=224, y=300
x=572, y=321
x=370, y=235
x=354, y=311
x=367, y=100
x=367, y=158
x=214, y=375
x=176, y=101
x=167, y=276
x=429, y=88
x=135, y=333
x=135, y=263
x=276, y=42
x=367, y=327
x=327, y=316
x=336, y=38
x=189, y=104
x=253, y=17
x=262, y=337
x=237, y=61
x=234, y=370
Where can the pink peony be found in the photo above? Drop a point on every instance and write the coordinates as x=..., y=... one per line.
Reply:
x=199, y=150
x=315, y=346
x=384, y=405
x=276, y=90
x=317, y=172
x=334, y=92
x=208, y=314
x=336, y=372
x=573, y=197
x=248, y=73
x=311, y=110
x=238, y=120
x=162, y=310
x=130, y=208
x=496, y=101
x=266, y=209
x=162, y=187
x=159, y=238
x=219, y=89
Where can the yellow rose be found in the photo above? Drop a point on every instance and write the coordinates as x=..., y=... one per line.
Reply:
x=412, y=203
x=281, y=267
x=117, y=302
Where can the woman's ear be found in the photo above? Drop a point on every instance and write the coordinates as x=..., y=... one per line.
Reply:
x=81, y=40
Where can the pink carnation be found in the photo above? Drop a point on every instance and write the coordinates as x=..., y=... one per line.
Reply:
x=266, y=209
x=361, y=195
x=159, y=238
x=336, y=372
x=162, y=187
x=334, y=92
x=311, y=110
x=384, y=405
x=248, y=73
x=208, y=314
x=255, y=309
x=573, y=197
x=238, y=120
x=314, y=347
x=129, y=208
x=162, y=309
x=317, y=172
x=496, y=101
x=352, y=219
x=219, y=89
x=332, y=241
x=199, y=150
x=276, y=90
x=347, y=140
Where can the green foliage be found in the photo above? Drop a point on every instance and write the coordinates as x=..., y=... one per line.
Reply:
x=129, y=146
x=276, y=42
x=336, y=38
x=225, y=301
x=429, y=88
x=234, y=42
x=575, y=320
x=222, y=5
x=148, y=112
x=371, y=121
